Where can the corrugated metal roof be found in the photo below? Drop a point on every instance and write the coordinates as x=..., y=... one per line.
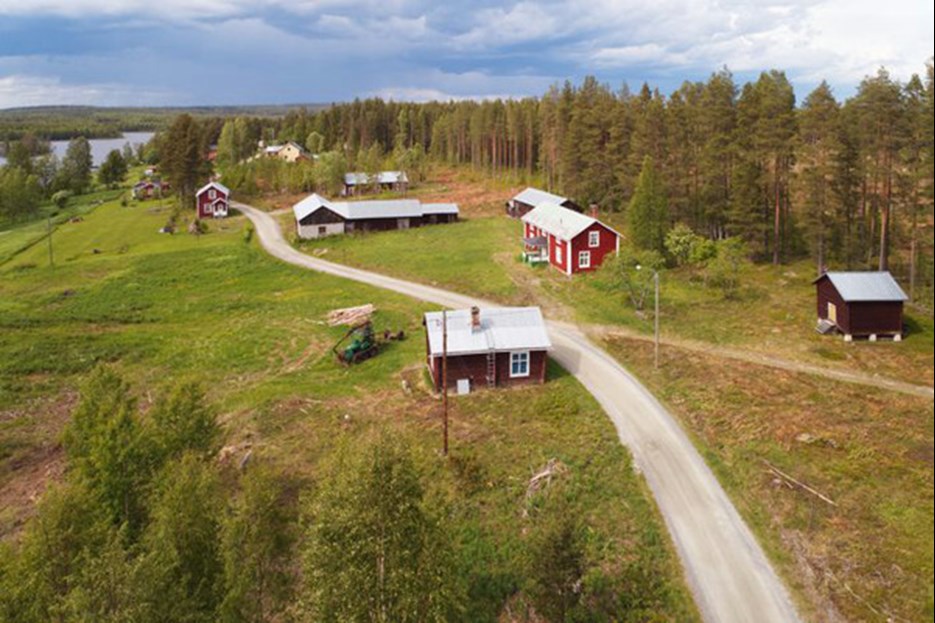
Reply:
x=866, y=286
x=534, y=196
x=217, y=185
x=440, y=208
x=355, y=210
x=559, y=221
x=383, y=177
x=501, y=329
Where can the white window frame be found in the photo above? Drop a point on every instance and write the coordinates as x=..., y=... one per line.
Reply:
x=584, y=259
x=520, y=357
x=594, y=238
x=212, y=194
x=558, y=253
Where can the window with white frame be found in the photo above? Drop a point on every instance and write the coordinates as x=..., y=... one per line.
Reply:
x=519, y=364
x=212, y=194
x=558, y=254
x=584, y=259
x=594, y=238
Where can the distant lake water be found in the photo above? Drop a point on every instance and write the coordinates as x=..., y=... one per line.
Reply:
x=100, y=147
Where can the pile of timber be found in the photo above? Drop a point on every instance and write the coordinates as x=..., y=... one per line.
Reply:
x=350, y=316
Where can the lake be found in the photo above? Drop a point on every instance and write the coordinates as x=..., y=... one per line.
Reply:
x=100, y=147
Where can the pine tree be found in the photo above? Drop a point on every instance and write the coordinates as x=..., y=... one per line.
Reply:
x=648, y=212
x=376, y=550
x=257, y=539
x=183, y=158
x=818, y=153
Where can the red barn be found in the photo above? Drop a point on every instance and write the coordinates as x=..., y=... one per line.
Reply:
x=492, y=347
x=570, y=241
x=212, y=200
x=860, y=304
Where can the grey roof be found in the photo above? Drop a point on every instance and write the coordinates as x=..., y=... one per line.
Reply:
x=383, y=177
x=440, y=208
x=534, y=196
x=866, y=286
x=560, y=222
x=356, y=210
x=501, y=329
x=218, y=185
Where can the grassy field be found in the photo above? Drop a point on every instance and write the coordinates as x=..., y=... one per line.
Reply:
x=866, y=557
x=215, y=308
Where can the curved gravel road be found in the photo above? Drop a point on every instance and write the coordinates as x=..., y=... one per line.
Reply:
x=726, y=569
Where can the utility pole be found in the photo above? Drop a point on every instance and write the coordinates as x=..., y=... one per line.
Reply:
x=656, y=322
x=49, y=230
x=445, y=382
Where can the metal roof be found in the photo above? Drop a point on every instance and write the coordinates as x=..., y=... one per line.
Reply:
x=383, y=177
x=866, y=286
x=560, y=222
x=440, y=208
x=534, y=196
x=356, y=210
x=501, y=329
x=216, y=185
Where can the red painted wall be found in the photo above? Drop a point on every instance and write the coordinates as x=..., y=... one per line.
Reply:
x=203, y=201
x=607, y=246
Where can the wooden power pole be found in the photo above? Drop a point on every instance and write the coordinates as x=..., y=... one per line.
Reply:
x=444, y=383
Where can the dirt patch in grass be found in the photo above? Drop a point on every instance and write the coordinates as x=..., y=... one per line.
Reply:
x=867, y=556
x=31, y=456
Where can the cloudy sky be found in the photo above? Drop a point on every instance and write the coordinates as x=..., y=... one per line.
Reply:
x=180, y=52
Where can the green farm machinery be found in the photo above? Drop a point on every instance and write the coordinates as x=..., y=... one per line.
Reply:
x=360, y=342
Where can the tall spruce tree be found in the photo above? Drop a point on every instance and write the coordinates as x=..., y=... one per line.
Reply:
x=183, y=157
x=648, y=212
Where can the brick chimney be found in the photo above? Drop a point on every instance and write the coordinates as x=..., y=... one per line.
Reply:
x=592, y=210
x=475, y=318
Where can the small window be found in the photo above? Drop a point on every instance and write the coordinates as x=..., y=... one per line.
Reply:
x=212, y=194
x=322, y=230
x=594, y=238
x=584, y=259
x=558, y=254
x=519, y=364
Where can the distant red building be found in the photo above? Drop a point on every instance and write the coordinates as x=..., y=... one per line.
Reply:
x=570, y=241
x=212, y=200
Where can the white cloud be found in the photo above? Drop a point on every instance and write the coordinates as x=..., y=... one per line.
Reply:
x=23, y=90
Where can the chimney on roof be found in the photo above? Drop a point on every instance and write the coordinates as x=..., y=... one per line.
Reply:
x=592, y=210
x=475, y=318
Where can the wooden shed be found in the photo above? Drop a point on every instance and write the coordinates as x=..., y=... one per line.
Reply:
x=490, y=347
x=528, y=199
x=860, y=304
x=317, y=217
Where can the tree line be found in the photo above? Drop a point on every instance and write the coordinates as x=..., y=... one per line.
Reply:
x=848, y=183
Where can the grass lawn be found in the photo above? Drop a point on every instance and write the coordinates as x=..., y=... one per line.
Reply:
x=215, y=308
x=869, y=557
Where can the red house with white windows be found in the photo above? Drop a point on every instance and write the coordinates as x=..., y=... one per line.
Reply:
x=570, y=241
x=212, y=200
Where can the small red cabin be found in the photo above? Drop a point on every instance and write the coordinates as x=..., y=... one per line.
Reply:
x=569, y=241
x=212, y=200
x=866, y=304
x=487, y=347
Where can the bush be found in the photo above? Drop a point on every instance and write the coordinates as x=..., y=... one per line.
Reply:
x=723, y=271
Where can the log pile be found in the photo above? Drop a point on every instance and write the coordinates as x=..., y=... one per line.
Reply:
x=350, y=316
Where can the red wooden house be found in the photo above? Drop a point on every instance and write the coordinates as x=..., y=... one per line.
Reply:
x=489, y=347
x=212, y=200
x=569, y=241
x=865, y=304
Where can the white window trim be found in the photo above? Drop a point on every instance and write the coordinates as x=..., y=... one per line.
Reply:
x=212, y=194
x=516, y=353
x=558, y=253
x=594, y=239
x=584, y=259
